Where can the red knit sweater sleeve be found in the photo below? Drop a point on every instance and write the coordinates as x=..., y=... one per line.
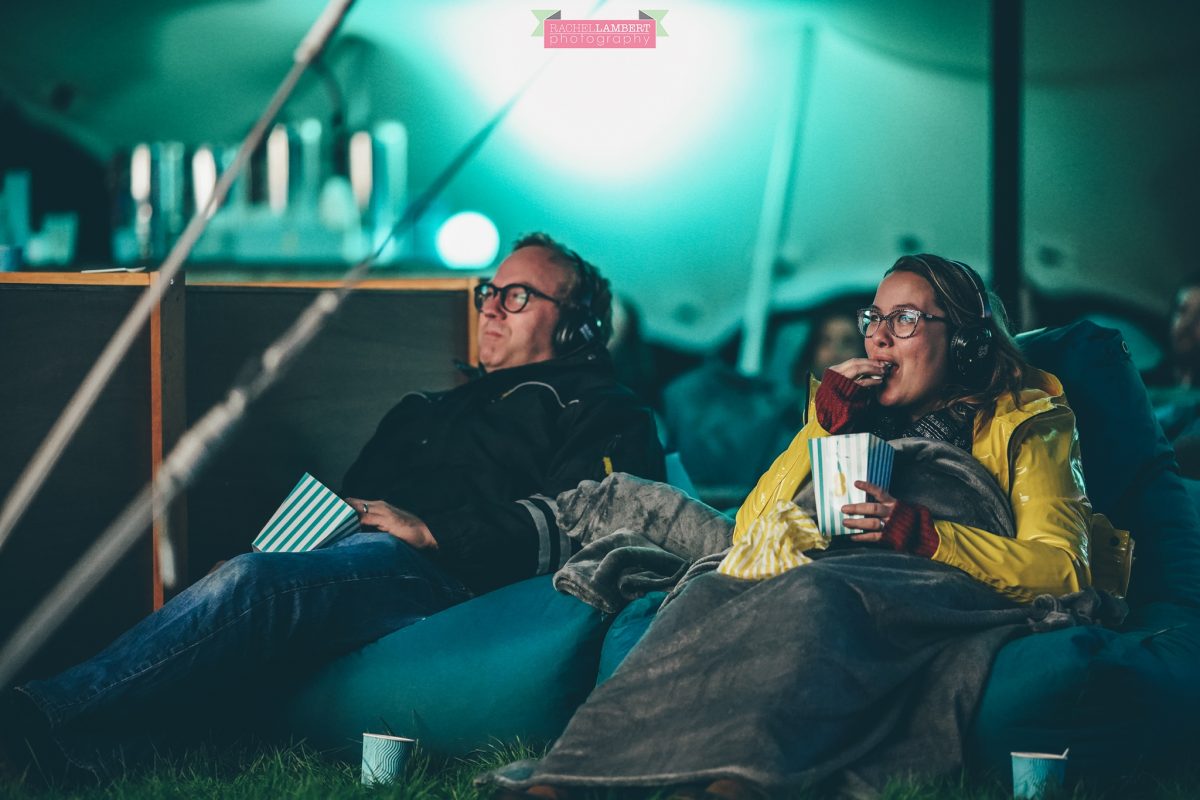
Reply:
x=910, y=530
x=839, y=401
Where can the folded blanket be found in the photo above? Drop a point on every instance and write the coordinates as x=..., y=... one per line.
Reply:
x=637, y=536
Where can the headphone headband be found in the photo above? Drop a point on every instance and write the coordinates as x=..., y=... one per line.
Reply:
x=985, y=307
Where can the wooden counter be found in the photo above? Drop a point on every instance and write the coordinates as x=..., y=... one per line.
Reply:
x=53, y=327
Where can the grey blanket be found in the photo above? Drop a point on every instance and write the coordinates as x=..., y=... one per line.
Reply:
x=858, y=667
x=638, y=536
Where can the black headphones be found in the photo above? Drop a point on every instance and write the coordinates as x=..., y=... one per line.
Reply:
x=578, y=325
x=971, y=342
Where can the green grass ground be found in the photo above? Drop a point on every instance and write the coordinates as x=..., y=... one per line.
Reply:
x=246, y=773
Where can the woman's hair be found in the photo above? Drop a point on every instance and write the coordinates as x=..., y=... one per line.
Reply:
x=1005, y=368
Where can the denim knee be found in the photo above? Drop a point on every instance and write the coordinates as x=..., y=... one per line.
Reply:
x=238, y=573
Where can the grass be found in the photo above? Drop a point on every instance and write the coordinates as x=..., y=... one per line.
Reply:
x=250, y=773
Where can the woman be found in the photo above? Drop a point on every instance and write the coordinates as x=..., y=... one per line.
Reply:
x=939, y=365
x=868, y=662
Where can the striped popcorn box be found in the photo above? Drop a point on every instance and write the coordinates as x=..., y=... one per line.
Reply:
x=312, y=516
x=839, y=461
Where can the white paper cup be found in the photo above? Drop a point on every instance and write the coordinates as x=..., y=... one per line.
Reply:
x=1036, y=774
x=384, y=757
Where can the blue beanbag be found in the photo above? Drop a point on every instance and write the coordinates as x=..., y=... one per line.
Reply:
x=626, y=629
x=1116, y=698
x=1128, y=464
x=511, y=664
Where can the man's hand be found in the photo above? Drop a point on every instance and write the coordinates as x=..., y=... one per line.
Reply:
x=385, y=517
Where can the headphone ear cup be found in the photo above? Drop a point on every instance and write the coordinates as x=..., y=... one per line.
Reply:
x=577, y=326
x=971, y=351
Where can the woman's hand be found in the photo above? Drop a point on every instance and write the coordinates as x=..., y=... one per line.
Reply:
x=868, y=372
x=847, y=390
x=875, y=515
x=384, y=516
x=904, y=527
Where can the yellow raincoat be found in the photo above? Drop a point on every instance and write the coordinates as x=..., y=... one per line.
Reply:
x=1032, y=450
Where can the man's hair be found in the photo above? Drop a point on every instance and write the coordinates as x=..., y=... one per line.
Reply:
x=588, y=289
x=954, y=291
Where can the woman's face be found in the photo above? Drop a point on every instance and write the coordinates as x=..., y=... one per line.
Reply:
x=920, y=363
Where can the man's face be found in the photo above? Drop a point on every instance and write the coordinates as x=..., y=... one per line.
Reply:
x=1185, y=327
x=511, y=340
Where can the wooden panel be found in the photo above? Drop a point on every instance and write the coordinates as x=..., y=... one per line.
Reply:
x=50, y=334
x=385, y=342
x=168, y=418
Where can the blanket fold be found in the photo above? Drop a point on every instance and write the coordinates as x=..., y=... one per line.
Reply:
x=636, y=536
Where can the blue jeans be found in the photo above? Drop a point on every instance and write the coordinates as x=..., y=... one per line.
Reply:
x=227, y=631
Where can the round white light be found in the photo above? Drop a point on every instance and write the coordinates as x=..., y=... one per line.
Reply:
x=468, y=240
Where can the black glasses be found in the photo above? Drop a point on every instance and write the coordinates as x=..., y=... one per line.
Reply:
x=513, y=298
x=902, y=322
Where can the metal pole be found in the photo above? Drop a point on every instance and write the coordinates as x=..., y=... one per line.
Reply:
x=785, y=155
x=1007, y=43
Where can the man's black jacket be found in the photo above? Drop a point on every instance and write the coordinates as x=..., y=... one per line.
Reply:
x=482, y=464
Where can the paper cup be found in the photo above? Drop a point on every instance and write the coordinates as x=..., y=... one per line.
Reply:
x=1036, y=774
x=384, y=757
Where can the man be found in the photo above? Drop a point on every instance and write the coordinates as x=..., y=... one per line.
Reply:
x=455, y=494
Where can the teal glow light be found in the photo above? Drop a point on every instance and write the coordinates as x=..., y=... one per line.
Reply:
x=604, y=115
x=468, y=240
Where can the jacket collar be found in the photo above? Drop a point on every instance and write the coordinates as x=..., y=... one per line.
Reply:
x=591, y=358
x=1042, y=392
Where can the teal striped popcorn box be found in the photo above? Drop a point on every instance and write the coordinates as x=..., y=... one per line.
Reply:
x=311, y=516
x=839, y=461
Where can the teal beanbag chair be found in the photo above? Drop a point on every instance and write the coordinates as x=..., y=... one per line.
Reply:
x=1116, y=698
x=626, y=629
x=511, y=664
x=1128, y=464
